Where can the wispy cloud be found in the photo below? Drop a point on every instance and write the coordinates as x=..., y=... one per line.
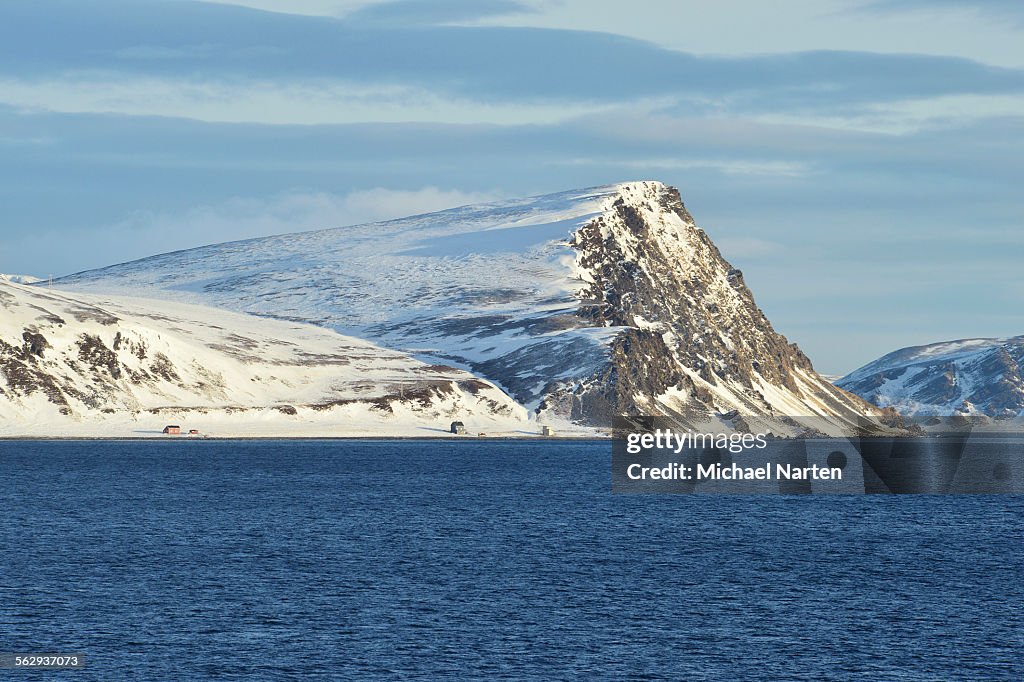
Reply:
x=436, y=12
x=221, y=63
x=384, y=204
x=996, y=9
x=316, y=8
x=329, y=101
x=724, y=166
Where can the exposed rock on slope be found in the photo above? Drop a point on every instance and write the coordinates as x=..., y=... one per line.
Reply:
x=581, y=305
x=693, y=340
x=968, y=377
x=80, y=365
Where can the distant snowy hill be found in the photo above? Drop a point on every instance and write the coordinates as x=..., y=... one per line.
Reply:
x=967, y=377
x=581, y=305
x=19, y=279
x=77, y=365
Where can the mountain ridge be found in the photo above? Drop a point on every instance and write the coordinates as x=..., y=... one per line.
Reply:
x=582, y=304
x=966, y=377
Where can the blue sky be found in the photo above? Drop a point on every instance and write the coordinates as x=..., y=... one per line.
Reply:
x=859, y=159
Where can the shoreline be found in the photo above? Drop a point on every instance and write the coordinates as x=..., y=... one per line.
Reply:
x=172, y=439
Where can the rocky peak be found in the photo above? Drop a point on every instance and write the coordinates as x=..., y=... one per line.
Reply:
x=689, y=324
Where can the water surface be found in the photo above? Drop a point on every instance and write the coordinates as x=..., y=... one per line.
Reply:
x=497, y=560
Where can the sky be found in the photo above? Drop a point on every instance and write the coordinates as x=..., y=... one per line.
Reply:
x=860, y=160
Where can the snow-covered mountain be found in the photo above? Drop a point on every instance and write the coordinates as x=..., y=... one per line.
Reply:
x=967, y=377
x=19, y=279
x=581, y=305
x=78, y=365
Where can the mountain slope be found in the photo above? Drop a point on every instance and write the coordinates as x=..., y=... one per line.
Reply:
x=581, y=305
x=79, y=365
x=19, y=279
x=966, y=377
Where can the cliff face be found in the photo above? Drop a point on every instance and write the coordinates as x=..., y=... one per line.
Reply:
x=693, y=341
x=981, y=377
x=581, y=305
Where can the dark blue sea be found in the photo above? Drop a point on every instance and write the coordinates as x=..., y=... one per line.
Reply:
x=354, y=560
